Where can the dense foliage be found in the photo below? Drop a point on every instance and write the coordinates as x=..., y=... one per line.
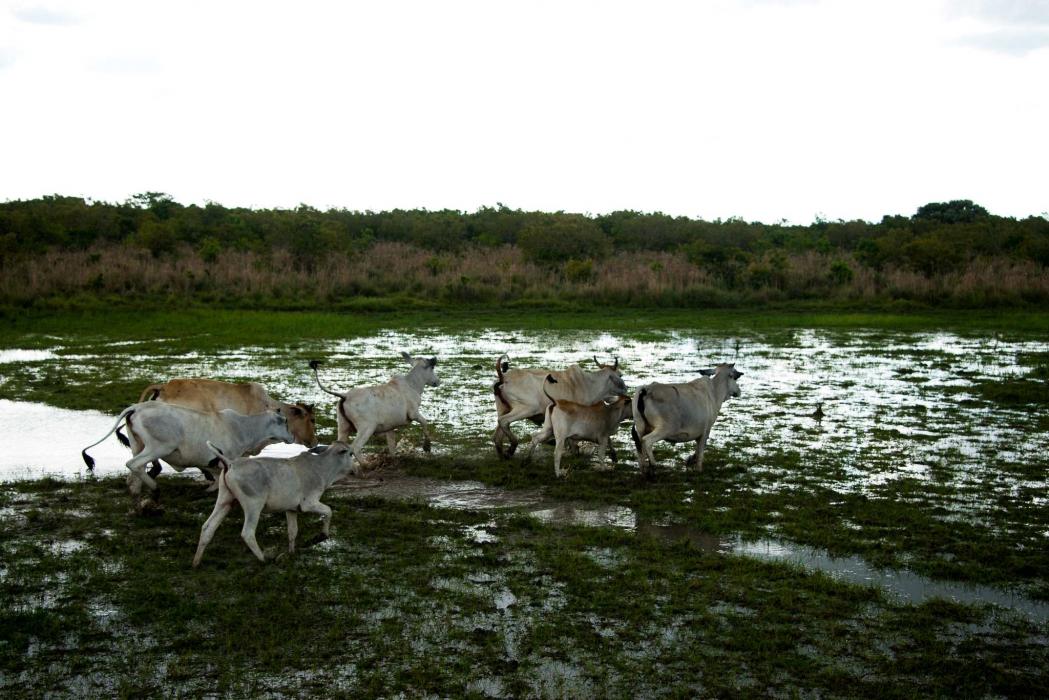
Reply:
x=947, y=244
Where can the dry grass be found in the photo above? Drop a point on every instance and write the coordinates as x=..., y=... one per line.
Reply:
x=493, y=275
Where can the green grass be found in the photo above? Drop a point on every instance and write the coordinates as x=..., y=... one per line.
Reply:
x=403, y=601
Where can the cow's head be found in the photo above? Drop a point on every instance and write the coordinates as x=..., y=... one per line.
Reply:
x=623, y=405
x=278, y=426
x=612, y=377
x=424, y=367
x=726, y=373
x=302, y=422
x=342, y=455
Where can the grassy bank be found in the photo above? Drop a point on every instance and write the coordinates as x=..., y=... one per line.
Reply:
x=405, y=598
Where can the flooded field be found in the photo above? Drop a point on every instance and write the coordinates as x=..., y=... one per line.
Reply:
x=897, y=406
x=922, y=485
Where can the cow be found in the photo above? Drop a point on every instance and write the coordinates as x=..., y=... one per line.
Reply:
x=291, y=485
x=681, y=413
x=178, y=435
x=519, y=394
x=567, y=420
x=247, y=398
x=381, y=409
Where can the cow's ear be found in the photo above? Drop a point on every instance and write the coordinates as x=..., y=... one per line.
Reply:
x=433, y=361
x=616, y=365
x=707, y=372
x=736, y=374
x=596, y=362
x=406, y=356
x=297, y=412
x=310, y=407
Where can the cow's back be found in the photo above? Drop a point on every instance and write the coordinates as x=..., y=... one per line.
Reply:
x=213, y=395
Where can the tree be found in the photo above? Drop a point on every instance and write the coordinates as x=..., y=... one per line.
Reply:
x=563, y=237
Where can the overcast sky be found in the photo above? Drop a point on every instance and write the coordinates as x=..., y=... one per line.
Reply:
x=761, y=109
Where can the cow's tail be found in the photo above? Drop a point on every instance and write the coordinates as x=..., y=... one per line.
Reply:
x=314, y=364
x=640, y=420
x=220, y=459
x=502, y=364
x=150, y=393
x=88, y=460
x=553, y=402
x=549, y=380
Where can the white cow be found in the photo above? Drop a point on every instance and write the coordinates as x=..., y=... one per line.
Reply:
x=381, y=409
x=567, y=420
x=179, y=435
x=681, y=413
x=519, y=393
x=290, y=485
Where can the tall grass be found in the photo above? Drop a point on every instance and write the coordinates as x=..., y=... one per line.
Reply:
x=500, y=275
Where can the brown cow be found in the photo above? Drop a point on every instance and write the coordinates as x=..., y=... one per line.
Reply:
x=567, y=420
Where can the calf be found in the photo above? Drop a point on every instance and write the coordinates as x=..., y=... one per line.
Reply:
x=371, y=410
x=681, y=413
x=291, y=486
x=567, y=420
x=179, y=436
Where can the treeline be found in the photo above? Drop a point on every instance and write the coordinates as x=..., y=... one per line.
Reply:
x=946, y=253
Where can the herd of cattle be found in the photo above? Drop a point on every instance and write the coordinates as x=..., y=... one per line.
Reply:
x=218, y=427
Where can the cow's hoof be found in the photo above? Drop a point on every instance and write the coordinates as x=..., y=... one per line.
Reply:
x=426, y=446
x=316, y=539
x=510, y=452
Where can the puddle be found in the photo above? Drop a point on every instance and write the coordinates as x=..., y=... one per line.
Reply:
x=16, y=355
x=46, y=441
x=903, y=585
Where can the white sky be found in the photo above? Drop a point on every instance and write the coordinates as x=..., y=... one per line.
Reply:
x=762, y=109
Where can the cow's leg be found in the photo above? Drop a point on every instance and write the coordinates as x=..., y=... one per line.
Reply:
x=540, y=436
x=137, y=465
x=559, y=451
x=612, y=452
x=391, y=441
x=602, y=447
x=247, y=532
x=421, y=420
x=136, y=447
x=325, y=513
x=364, y=433
x=696, y=459
x=504, y=423
x=293, y=529
x=210, y=526
x=646, y=445
x=342, y=425
x=499, y=434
